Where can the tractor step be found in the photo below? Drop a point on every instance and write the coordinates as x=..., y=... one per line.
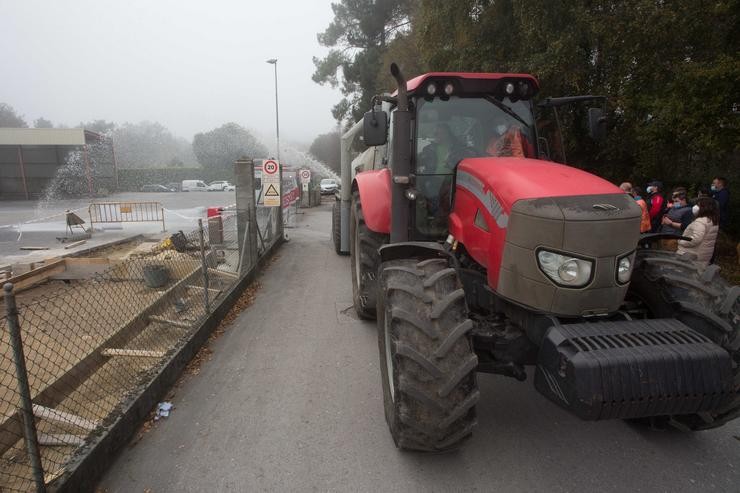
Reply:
x=633, y=369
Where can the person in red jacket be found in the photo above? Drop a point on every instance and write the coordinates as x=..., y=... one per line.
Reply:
x=657, y=204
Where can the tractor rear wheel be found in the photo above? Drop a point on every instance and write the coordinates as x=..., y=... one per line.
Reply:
x=427, y=361
x=336, y=227
x=667, y=285
x=365, y=260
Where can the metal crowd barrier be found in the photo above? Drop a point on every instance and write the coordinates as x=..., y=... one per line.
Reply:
x=126, y=212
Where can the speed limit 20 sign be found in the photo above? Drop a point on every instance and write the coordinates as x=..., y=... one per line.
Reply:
x=305, y=175
x=271, y=183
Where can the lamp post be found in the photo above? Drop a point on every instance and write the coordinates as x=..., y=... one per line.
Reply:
x=273, y=62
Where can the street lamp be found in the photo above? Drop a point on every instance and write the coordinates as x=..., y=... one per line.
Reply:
x=273, y=61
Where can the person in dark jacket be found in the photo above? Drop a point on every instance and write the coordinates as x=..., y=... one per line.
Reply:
x=721, y=194
x=678, y=216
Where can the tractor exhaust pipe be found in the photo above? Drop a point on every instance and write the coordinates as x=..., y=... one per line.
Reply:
x=400, y=162
x=402, y=98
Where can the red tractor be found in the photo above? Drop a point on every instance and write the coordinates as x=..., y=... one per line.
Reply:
x=477, y=253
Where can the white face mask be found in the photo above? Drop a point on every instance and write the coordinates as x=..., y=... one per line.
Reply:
x=695, y=210
x=650, y=189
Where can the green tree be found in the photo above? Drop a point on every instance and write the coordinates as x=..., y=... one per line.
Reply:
x=220, y=147
x=42, y=122
x=149, y=145
x=9, y=118
x=326, y=148
x=359, y=36
x=98, y=126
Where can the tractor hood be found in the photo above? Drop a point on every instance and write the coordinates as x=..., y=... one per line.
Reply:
x=515, y=179
x=521, y=206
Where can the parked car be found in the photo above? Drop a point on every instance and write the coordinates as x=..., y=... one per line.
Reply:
x=218, y=186
x=230, y=188
x=175, y=186
x=194, y=186
x=156, y=188
x=328, y=186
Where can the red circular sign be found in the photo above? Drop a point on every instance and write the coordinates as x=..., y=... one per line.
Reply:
x=270, y=167
x=305, y=174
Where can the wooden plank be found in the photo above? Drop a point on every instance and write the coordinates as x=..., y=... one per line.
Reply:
x=192, y=286
x=11, y=429
x=167, y=321
x=63, y=417
x=36, y=276
x=33, y=248
x=223, y=273
x=133, y=352
x=75, y=244
x=60, y=440
x=84, y=268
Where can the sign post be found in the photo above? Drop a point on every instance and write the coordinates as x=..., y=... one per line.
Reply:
x=271, y=183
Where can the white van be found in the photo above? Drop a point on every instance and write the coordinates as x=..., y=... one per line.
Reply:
x=194, y=186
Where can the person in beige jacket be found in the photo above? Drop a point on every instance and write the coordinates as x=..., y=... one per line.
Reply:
x=702, y=231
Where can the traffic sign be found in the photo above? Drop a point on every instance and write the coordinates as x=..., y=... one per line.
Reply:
x=305, y=175
x=271, y=183
x=270, y=167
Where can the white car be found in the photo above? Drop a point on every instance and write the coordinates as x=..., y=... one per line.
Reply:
x=218, y=186
x=328, y=186
x=230, y=188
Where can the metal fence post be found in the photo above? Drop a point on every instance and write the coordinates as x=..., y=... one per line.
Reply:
x=205, y=264
x=29, y=421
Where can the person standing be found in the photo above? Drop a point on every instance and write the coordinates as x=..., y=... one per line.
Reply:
x=656, y=204
x=721, y=194
x=702, y=231
x=645, y=224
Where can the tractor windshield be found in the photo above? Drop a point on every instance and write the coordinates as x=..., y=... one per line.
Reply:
x=448, y=131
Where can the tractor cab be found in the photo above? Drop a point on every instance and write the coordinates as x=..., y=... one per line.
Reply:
x=455, y=127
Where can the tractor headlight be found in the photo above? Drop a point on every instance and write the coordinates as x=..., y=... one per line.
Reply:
x=564, y=269
x=624, y=268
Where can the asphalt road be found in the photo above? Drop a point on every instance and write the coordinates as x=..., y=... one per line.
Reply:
x=291, y=401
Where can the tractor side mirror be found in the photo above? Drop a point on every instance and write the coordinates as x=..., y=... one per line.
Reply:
x=375, y=128
x=596, y=124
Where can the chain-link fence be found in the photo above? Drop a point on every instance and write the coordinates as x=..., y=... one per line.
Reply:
x=92, y=345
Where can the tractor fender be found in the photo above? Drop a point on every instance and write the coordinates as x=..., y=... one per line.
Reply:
x=412, y=249
x=375, y=195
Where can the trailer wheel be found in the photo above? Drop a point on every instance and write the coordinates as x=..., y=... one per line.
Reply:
x=336, y=227
x=667, y=285
x=365, y=260
x=427, y=361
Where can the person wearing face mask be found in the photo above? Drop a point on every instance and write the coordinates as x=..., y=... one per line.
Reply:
x=656, y=204
x=679, y=216
x=721, y=194
x=702, y=231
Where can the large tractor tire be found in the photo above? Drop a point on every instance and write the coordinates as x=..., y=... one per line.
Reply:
x=667, y=285
x=365, y=260
x=427, y=361
x=336, y=227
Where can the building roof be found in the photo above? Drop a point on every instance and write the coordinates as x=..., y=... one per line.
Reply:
x=42, y=136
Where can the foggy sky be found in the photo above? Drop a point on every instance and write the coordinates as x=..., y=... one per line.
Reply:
x=189, y=65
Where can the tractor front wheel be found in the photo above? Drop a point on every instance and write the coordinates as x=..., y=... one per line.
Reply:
x=427, y=361
x=666, y=285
